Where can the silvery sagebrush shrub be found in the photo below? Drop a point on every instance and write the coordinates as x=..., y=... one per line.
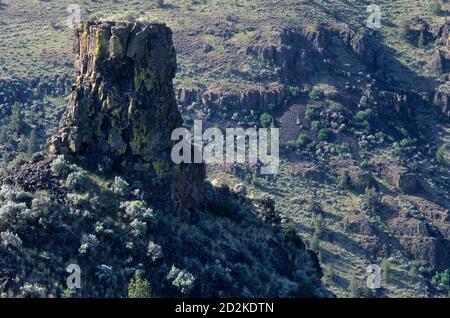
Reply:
x=9, y=194
x=136, y=210
x=154, y=251
x=41, y=204
x=32, y=291
x=13, y=214
x=76, y=199
x=120, y=187
x=101, y=229
x=182, y=279
x=138, y=227
x=11, y=240
x=62, y=167
x=76, y=181
x=88, y=242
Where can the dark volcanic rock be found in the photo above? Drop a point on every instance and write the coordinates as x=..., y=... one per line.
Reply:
x=407, y=182
x=361, y=225
x=34, y=176
x=123, y=106
x=442, y=100
x=299, y=53
x=420, y=240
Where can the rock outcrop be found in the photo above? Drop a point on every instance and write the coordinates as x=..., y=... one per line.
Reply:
x=407, y=182
x=123, y=107
x=442, y=100
x=421, y=240
x=298, y=54
x=303, y=52
x=25, y=90
x=259, y=99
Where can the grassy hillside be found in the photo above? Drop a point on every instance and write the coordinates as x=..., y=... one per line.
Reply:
x=37, y=41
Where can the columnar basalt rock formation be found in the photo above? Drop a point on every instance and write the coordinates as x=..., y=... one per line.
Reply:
x=123, y=106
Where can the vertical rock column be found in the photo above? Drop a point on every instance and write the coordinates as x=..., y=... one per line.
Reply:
x=123, y=106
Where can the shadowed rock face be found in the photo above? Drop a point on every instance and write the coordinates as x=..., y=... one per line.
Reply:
x=123, y=106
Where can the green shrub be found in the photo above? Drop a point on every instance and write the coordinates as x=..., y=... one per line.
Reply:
x=306, y=288
x=443, y=278
x=328, y=273
x=316, y=125
x=289, y=231
x=345, y=224
x=311, y=112
x=324, y=134
x=10, y=240
x=294, y=91
x=363, y=115
x=404, y=31
x=441, y=156
x=11, y=214
x=421, y=41
x=353, y=287
x=105, y=275
x=319, y=224
x=17, y=121
x=386, y=270
x=266, y=120
x=314, y=245
x=303, y=140
x=315, y=94
x=89, y=242
x=32, y=145
x=345, y=147
x=313, y=205
x=344, y=179
x=371, y=200
x=436, y=7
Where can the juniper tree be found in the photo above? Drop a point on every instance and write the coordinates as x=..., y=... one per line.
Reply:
x=33, y=145
x=138, y=287
x=17, y=119
x=386, y=270
x=353, y=287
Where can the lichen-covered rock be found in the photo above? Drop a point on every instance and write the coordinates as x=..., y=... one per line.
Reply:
x=123, y=106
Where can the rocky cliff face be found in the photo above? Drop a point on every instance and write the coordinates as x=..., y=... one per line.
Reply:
x=123, y=107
